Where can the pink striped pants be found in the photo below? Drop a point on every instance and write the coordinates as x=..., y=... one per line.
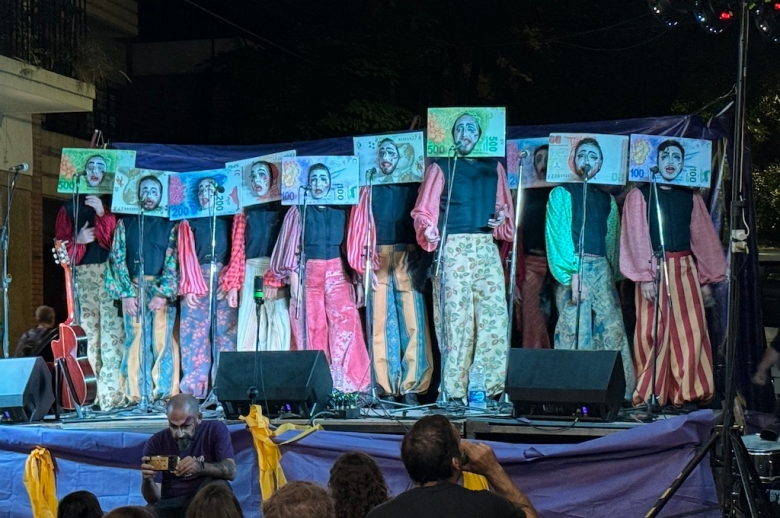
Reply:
x=684, y=363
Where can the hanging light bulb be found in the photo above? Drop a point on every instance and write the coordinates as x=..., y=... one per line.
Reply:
x=714, y=16
x=767, y=19
x=670, y=12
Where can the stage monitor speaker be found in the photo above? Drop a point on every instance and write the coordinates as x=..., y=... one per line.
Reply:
x=287, y=381
x=566, y=383
x=26, y=393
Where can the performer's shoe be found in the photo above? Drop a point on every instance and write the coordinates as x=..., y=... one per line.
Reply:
x=386, y=402
x=411, y=399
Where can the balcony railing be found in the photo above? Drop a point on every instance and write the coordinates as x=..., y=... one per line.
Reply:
x=44, y=33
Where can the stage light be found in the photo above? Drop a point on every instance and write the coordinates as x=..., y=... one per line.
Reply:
x=670, y=12
x=713, y=15
x=767, y=19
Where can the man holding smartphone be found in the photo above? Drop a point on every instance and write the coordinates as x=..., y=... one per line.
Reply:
x=197, y=452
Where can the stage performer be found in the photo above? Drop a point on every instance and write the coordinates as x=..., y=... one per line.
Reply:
x=473, y=325
x=205, y=456
x=601, y=320
x=534, y=321
x=198, y=368
x=333, y=324
x=91, y=220
x=161, y=275
x=403, y=360
x=695, y=259
x=255, y=231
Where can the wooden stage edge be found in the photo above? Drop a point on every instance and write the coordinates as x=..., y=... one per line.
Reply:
x=480, y=426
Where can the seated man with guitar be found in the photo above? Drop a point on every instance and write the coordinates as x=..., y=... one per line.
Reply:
x=36, y=341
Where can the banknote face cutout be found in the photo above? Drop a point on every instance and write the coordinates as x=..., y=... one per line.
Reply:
x=207, y=188
x=588, y=158
x=95, y=170
x=319, y=181
x=671, y=159
x=150, y=192
x=540, y=162
x=388, y=156
x=260, y=178
x=466, y=132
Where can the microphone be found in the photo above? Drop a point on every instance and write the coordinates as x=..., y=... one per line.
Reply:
x=259, y=290
x=19, y=168
x=654, y=170
x=586, y=169
x=217, y=188
x=305, y=187
x=523, y=153
x=371, y=172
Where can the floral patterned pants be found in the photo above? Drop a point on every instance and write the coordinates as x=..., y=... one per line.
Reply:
x=197, y=367
x=105, y=334
x=473, y=325
x=333, y=324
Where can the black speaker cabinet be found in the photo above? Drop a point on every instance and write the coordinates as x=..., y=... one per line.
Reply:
x=26, y=393
x=284, y=381
x=566, y=383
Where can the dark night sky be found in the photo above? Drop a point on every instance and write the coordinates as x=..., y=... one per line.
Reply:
x=547, y=61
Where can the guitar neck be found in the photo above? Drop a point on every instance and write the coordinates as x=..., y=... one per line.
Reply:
x=69, y=296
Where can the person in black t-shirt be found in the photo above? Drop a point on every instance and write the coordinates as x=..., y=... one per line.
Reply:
x=435, y=457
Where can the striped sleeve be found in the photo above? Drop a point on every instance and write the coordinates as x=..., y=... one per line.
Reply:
x=190, y=277
x=637, y=261
x=426, y=211
x=360, y=220
x=504, y=197
x=285, y=257
x=232, y=277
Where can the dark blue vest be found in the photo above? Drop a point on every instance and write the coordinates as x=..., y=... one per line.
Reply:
x=157, y=231
x=676, y=208
x=392, y=206
x=325, y=229
x=201, y=231
x=263, y=223
x=473, y=196
x=598, y=207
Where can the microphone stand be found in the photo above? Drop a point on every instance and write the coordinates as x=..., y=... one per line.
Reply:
x=512, y=274
x=581, y=257
x=140, y=316
x=443, y=398
x=300, y=308
x=252, y=392
x=4, y=243
x=368, y=296
x=212, y=315
x=653, y=405
x=74, y=274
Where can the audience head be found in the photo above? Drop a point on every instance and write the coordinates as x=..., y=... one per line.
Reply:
x=431, y=450
x=79, y=504
x=184, y=417
x=356, y=485
x=45, y=316
x=299, y=499
x=215, y=500
x=130, y=511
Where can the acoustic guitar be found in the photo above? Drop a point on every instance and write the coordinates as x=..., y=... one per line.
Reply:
x=72, y=346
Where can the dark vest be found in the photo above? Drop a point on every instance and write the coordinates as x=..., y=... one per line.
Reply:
x=325, y=227
x=263, y=223
x=473, y=196
x=676, y=208
x=201, y=231
x=392, y=206
x=157, y=231
x=533, y=219
x=598, y=207
x=94, y=253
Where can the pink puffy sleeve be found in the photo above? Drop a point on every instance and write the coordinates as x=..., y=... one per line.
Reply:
x=232, y=276
x=504, y=231
x=360, y=219
x=705, y=245
x=190, y=279
x=637, y=261
x=284, y=259
x=426, y=211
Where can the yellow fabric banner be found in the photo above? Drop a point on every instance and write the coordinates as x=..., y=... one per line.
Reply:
x=268, y=455
x=40, y=483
